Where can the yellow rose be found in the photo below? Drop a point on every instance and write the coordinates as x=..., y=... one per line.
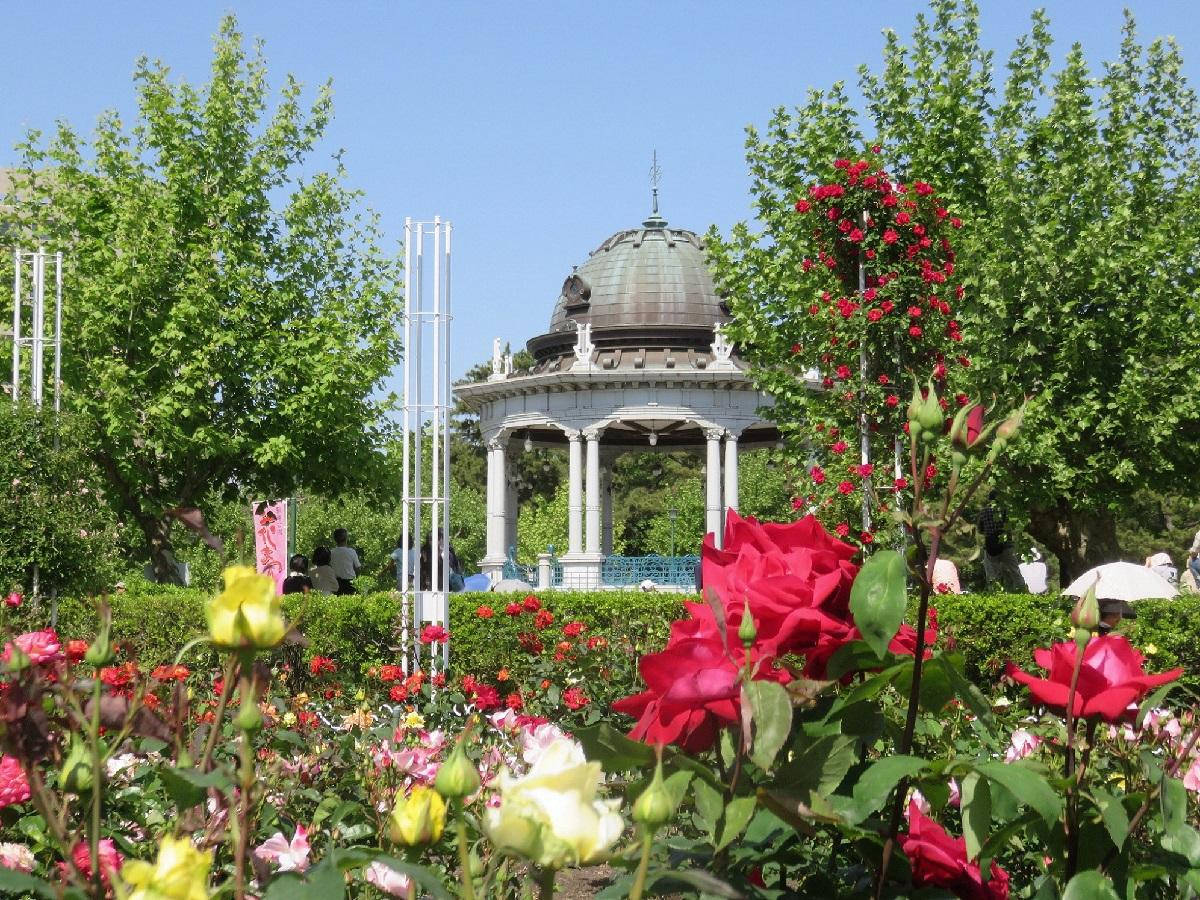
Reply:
x=247, y=615
x=418, y=818
x=179, y=873
x=552, y=816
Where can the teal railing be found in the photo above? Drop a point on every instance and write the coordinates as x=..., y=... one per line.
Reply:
x=519, y=571
x=629, y=571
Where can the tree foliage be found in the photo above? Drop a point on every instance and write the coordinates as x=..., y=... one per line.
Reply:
x=232, y=314
x=1077, y=192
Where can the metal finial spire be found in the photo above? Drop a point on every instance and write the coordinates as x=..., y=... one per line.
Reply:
x=655, y=178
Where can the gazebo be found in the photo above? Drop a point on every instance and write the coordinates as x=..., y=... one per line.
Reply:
x=634, y=359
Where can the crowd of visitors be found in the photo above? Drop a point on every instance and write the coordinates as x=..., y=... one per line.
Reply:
x=333, y=569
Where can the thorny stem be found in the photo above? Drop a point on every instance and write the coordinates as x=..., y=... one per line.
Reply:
x=464, y=863
x=246, y=750
x=97, y=792
x=1072, y=818
x=914, y=697
x=1169, y=772
x=222, y=701
x=639, y=880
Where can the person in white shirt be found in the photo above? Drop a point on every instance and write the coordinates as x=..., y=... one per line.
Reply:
x=345, y=562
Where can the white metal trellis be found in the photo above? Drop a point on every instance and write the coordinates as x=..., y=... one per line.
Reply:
x=29, y=305
x=425, y=412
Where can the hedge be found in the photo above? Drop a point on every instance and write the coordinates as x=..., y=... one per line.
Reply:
x=360, y=630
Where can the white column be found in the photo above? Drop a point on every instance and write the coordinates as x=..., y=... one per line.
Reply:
x=575, y=493
x=606, y=512
x=731, y=470
x=511, y=508
x=497, y=495
x=592, y=435
x=712, y=519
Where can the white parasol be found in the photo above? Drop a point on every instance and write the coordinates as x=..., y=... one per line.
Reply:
x=1122, y=581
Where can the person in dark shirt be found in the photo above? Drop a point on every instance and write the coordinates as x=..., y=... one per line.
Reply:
x=999, y=562
x=297, y=581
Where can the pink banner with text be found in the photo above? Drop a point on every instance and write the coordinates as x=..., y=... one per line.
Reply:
x=271, y=540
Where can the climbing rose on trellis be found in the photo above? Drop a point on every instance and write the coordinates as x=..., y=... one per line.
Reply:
x=902, y=314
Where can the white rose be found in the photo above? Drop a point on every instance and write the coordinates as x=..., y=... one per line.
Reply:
x=552, y=816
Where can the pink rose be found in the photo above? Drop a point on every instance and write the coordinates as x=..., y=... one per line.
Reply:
x=40, y=646
x=1111, y=679
x=13, y=786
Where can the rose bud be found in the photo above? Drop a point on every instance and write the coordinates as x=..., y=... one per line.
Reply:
x=76, y=773
x=457, y=776
x=931, y=417
x=418, y=818
x=655, y=806
x=914, y=410
x=746, y=630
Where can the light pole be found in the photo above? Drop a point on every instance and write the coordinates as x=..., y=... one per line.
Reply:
x=672, y=514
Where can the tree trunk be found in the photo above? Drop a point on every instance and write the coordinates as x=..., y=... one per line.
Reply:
x=157, y=530
x=1078, y=539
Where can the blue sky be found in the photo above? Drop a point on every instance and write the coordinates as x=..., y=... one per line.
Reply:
x=529, y=125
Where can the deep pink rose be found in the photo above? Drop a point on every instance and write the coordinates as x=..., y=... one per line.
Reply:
x=940, y=861
x=693, y=686
x=110, y=860
x=796, y=576
x=13, y=786
x=39, y=646
x=1111, y=679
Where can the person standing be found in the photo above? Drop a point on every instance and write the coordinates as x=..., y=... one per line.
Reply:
x=999, y=563
x=1194, y=559
x=322, y=575
x=345, y=562
x=298, y=580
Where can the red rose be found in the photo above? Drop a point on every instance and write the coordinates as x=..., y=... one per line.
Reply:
x=514, y=702
x=573, y=629
x=180, y=673
x=110, y=861
x=76, y=650
x=543, y=620
x=574, y=698
x=388, y=674
x=485, y=612
x=939, y=860
x=398, y=693
x=796, y=576
x=900, y=484
x=856, y=235
x=915, y=331
x=13, y=599
x=865, y=470
x=839, y=447
x=893, y=401
x=1111, y=680
x=890, y=236
x=956, y=222
x=922, y=188
x=514, y=609
x=692, y=687
x=874, y=315
x=903, y=218
x=485, y=697
x=915, y=311
x=845, y=487
x=842, y=529
x=827, y=381
x=434, y=634
x=803, y=206
x=843, y=372
x=866, y=537
x=532, y=603
x=887, y=306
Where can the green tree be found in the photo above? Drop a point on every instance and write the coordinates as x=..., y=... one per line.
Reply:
x=1079, y=256
x=53, y=513
x=232, y=315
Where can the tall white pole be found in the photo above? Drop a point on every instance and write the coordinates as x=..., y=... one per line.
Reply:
x=436, y=572
x=39, y=325
x=16, y=351
x=58, y=332
x=445, y=426
x=406, y=437
x=863, y=424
